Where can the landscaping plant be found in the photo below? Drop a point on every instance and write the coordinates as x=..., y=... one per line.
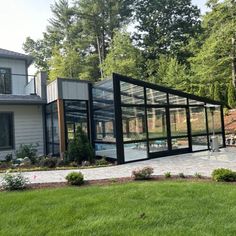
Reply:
x=75, y=178
x=80, y=149
x=29, y=151
x=142, y=174
x=49, y=162
x=167, y=175
x=14, y=182
x=223, y=175
x=181, y=175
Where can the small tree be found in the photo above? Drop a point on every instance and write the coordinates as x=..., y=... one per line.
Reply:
x=231, y=95
x=80, y=149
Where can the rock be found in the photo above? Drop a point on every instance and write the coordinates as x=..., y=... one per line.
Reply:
x=18, y=161
x=26, y=161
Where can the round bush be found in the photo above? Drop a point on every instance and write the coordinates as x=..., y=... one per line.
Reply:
x=75, y=178
x=224, y=175
x=142, y=174
x=14, y=182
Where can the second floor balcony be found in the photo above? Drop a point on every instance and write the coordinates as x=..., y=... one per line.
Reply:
x=16, y=84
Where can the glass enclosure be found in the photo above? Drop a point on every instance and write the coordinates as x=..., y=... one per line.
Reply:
x=153, y=121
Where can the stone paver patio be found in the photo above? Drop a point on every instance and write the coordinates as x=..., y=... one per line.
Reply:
x=189, y=164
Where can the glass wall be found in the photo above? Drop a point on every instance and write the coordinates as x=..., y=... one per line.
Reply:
x=52, y=129
x=151, y=121
x=104, y=119
x=76, y=115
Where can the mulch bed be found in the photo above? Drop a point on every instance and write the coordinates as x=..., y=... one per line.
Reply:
x=104, y=182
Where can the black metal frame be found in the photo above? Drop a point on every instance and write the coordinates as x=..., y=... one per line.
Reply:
x=118, y=118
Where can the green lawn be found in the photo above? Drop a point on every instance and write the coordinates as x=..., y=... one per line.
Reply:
x=140, y=208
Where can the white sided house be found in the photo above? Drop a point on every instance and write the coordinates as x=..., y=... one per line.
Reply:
x=22, y=100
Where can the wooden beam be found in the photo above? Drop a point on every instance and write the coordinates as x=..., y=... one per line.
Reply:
x=61, y=126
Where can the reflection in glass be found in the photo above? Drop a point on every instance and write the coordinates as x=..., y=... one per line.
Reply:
x=133, y=119
x=156, y=97
x=217, y=120
x=198, y=120
x=195, y=102
x=178, y=121
x=156, y=122
x=131, y=93
x=135, y=151
x=180, y=143
x=75, y=116
x=158, y=145
x=103, y=112
x=105, y=150
x=177, y=100
x=199, y=143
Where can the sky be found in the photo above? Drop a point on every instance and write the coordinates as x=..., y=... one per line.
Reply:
x=22, y=18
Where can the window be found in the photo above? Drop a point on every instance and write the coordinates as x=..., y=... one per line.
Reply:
x=178, y=122
x=6, y=134
x=75, y=116
x=156, y=122
x=5, y=81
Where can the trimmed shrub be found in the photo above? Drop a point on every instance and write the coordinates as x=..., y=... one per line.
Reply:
x=142, y=174
x=29, y=151
x=75, y=178
x=167, y=175
x=223, y=175
x=14, y=182
x=49, y=162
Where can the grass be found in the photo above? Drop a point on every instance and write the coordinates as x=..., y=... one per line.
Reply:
x=137, y=208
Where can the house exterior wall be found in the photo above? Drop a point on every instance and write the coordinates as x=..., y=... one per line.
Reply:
x=28, y=126
x=17, y=67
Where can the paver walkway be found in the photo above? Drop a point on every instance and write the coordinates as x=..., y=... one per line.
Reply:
x=201, y=162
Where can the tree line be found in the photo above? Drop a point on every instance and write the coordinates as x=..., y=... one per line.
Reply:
x=170, y=43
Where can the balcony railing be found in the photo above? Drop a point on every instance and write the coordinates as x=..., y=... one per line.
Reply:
x=17, y=84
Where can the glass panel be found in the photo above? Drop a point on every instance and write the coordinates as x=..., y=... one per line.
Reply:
x=158, y=145
x=214, y=114
x=199, y=143
x=198, y=120
x=104, y=113
x=178, y=122
x=105, y=150
x=75, y=116
x=174, y=99
x=133, y=119
x=52, y=129
x=180, y=143
x=135, y=151
x=156, y=97
x=157, y=122
x=6, y=127
x=5, y=81
x=131, y=93
x=195, y=102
